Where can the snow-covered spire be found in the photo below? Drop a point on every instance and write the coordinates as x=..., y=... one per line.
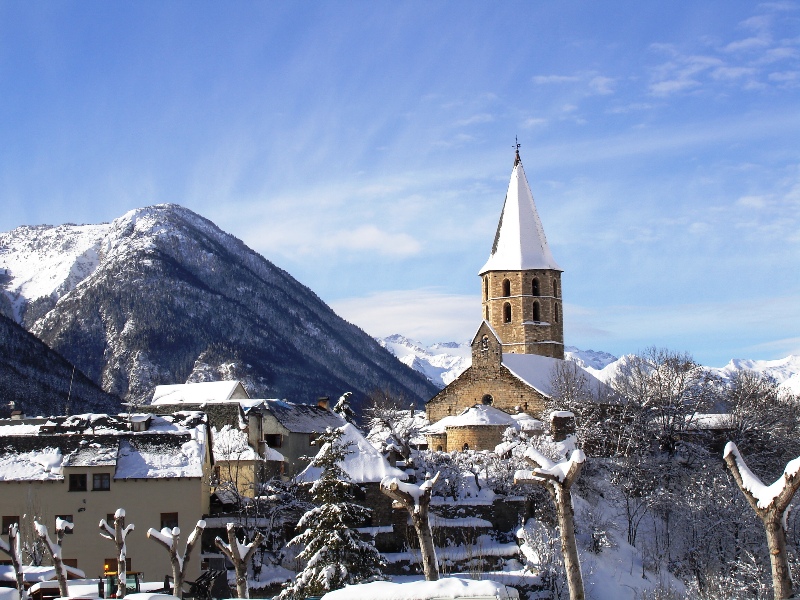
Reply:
x=520, y=243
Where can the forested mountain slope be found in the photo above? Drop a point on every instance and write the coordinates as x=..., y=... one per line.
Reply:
x=161, y=295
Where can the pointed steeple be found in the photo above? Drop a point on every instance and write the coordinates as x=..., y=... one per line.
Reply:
x=520, y=243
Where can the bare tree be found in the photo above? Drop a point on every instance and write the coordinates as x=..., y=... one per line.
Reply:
x=558, y=478
x=117, y=534
x=239, y=554
x=170, y=538
x=387, y=419
x=416, y=499
x=770, y=504
x=14, y=550
x=54, y=550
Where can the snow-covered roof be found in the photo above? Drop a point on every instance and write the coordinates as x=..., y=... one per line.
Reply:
x=519, y=243
x=303, y=418
x=174, y=446
x=364, y=464
x=478, y=415
x=199, y=393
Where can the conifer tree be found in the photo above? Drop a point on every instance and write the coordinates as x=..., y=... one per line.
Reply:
x=333, y=552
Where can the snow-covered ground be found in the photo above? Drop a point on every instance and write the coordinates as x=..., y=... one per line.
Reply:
x=442, y=362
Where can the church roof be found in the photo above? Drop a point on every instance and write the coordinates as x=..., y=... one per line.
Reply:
x=519, y=243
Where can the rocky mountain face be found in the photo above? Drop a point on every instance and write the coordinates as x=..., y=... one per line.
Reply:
x=39, y=381
x=161, y=295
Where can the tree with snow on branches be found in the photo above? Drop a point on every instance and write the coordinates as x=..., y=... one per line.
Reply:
x=54, y=550
x=558, y=478
x=117, y=534
x=13, y=547
x=334, y=553
x=343, y=408
x=169, y=538
x=240, y=554
x=770, y=503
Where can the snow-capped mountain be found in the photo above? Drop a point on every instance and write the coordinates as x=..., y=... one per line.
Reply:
x=442, y=362
x=161, y=295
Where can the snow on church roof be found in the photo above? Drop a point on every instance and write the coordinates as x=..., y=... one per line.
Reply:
x=519, y=243
x=537, y=371
x=364, y=464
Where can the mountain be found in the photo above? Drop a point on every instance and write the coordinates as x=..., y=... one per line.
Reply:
x=442, y=362
x=39, y=381
x=162, y=295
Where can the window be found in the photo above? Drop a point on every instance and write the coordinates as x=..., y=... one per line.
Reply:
x=169, y=520
x=535, y=286
x=487, y=399
x=101, y=482
x=8, y=521
x=555, y=312
x=536, y=312
x=506, y=313
x=439, y=448
x=465, y=447
x=67, y=530
x=506, y=288
x=555, y=288
x=70, y=562
x=274, y=440
x=77, y=482
x=312, y=439
x=485, y=288
x=110, y=565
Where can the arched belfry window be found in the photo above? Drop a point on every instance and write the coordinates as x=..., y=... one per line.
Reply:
x=485, y=288
x=506, y=288
x=535, y=286
x=487, y=399
x=555, y=288
x=537, y=316
x=507, y=313
x=555, y=312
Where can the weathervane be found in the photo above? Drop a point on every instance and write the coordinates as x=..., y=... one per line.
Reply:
x=516, y=147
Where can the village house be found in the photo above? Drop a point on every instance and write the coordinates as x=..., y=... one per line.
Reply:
x=82, y=468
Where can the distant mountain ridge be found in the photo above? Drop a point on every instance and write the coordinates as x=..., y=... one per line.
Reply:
x=442, y=362
x=162, y=295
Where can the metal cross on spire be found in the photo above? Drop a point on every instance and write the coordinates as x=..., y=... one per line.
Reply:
x=517, y=145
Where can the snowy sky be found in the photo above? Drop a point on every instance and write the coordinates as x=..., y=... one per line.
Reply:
x=366, y=148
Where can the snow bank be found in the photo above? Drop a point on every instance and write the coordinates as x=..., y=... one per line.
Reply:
x=449, y=587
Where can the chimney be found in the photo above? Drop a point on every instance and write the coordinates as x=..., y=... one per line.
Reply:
x=17, y=415
x=562, y=424
x=324, y=402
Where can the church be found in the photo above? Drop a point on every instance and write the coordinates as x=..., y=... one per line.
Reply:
x=520, y=340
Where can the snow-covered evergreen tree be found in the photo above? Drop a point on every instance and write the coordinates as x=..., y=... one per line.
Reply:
x=343, y=408
x=333, y=553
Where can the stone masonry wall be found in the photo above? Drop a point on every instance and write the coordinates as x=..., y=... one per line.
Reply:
x=484, y=437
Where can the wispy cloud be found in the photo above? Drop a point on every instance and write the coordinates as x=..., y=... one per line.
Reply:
x=476, y=119
x=428, y=315
x=547, y=79
x=591, y=81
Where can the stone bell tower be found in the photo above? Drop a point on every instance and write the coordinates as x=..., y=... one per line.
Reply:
x=521, y=281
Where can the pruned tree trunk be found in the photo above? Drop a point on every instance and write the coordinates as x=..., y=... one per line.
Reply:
x=118, y=535
x=14, y=550
x=54, y=550
x=240, y=561
x=559, y=488
x=419, y=518
x=170, y=540
x=771, y=509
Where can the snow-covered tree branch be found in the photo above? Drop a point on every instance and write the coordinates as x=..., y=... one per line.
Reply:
x=14, y=550
x=54, y=550
x=117, y=534
x=239, y=554
x=558, y=479
x=416, y=500
x=170, y=538
x=770, y=503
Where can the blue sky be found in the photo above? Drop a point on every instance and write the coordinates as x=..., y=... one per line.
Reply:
x=366, y=147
